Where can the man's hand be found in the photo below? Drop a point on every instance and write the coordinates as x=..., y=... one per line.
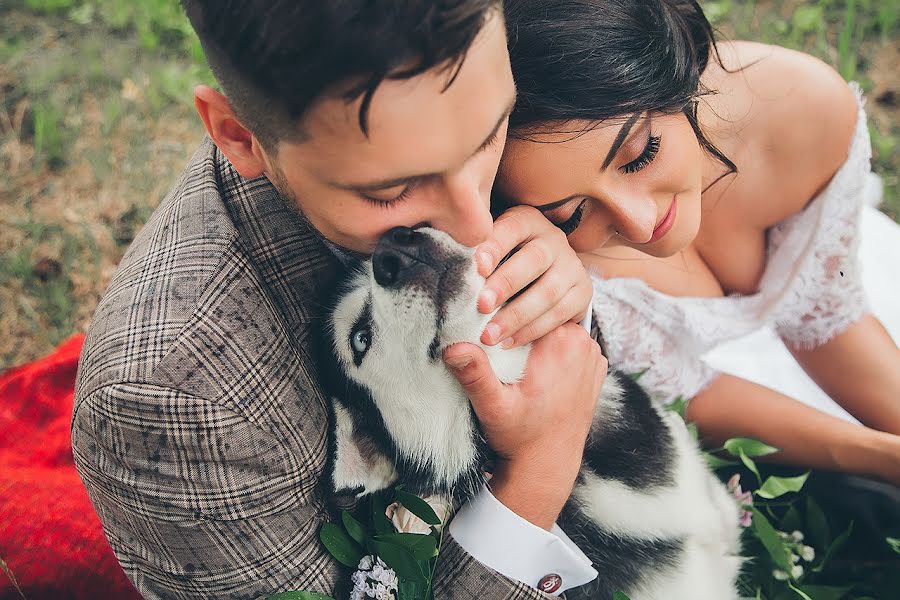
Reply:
x=561, y=291
x=537, y=426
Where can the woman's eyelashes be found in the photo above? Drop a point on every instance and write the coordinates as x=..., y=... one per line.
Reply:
x=572, y=223
x=646, y=157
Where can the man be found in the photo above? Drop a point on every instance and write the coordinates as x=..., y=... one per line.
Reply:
x=199, y=427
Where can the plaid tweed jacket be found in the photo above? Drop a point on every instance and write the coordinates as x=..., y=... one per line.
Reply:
x=199, y=428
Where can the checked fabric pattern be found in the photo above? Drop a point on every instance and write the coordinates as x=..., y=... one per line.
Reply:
x=199, y=429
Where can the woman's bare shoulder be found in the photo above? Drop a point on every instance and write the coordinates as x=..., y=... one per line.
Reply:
x=792, y=116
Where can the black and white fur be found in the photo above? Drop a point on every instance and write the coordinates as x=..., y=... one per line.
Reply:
x=645, y=508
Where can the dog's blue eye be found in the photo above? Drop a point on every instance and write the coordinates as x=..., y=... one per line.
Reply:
x=360, y=341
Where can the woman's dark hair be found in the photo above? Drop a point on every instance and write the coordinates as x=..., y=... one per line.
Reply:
x=273, y=58
x=597, y=59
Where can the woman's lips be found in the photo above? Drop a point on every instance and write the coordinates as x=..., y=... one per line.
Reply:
x=666, y=224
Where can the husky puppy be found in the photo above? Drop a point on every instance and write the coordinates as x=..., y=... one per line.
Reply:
x=645, y=508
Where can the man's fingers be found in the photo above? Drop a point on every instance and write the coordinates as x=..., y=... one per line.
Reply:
x=470, y=365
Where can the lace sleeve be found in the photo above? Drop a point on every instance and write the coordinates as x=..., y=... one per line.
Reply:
x=640, y=338
x=820, y=247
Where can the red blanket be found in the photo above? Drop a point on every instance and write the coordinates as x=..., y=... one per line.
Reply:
x=50, y=537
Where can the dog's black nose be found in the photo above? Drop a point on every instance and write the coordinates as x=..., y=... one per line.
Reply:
x=398, y=252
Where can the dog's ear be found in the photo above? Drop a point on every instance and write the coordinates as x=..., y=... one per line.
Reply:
x=360, y=467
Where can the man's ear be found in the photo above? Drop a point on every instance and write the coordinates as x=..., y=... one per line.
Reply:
x=235, y=141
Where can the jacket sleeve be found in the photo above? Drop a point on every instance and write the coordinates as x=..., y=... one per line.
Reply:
x=460, y=577
x=198, y=501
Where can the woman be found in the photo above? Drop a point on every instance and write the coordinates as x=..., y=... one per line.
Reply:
x=715, y=191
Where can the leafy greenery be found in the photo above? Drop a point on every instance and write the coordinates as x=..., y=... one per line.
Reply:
x=792, y=551
x=412, y=556
x=789, y=545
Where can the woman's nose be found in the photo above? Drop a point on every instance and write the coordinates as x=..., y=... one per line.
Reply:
x=633, y=217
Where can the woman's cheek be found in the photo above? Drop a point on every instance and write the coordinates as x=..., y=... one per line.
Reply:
x=591, y=234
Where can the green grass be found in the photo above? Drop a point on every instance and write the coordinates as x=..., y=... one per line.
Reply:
x=96, y=121
x=848, y=34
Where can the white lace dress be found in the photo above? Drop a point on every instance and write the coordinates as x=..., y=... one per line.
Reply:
x=812, y=289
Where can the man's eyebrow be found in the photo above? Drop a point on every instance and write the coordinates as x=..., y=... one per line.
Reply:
x=620, y=139
x=396, y=181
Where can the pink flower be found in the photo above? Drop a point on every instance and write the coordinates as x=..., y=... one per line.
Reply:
x=743, y=499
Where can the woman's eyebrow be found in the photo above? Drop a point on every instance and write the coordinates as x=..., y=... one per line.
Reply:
x=616, y=145
x=620, y=139
x=556, y=204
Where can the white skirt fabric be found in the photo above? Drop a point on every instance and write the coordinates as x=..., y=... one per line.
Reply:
x=761, y=357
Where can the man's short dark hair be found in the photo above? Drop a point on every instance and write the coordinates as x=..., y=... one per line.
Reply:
x=273, y=58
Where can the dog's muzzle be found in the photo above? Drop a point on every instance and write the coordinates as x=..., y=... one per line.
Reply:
x=401, y=254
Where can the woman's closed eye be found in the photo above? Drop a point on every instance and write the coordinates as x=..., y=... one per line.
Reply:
x=646, y=157
x=574, y=220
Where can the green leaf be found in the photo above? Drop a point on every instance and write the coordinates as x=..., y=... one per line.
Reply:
x=421, y=546
x=798, y=591
x=833, y=548
x=779, y=486
x=410, y=590
x=894, y=543
x=354, y=528
x=825, y=592
x=400, y=560
x=340, y=545
x=770, y=540
x=817, y=525
x=693, y=431
x=791, y=520
x=417, y=506
x=679, y=407
x=748, y=446
x=636, y=376
x=380, y=522
x=748, y=462
x=715, y=462
x=620, y=596
x=298, y=595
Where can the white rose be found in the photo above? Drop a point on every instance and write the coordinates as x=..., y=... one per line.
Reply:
x=406, y=522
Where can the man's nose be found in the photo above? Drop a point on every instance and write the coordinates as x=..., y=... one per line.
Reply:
x=399, y=253
x=467, y=218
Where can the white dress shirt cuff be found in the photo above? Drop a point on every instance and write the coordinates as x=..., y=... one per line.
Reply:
x=586, y=321
x=505, y=542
